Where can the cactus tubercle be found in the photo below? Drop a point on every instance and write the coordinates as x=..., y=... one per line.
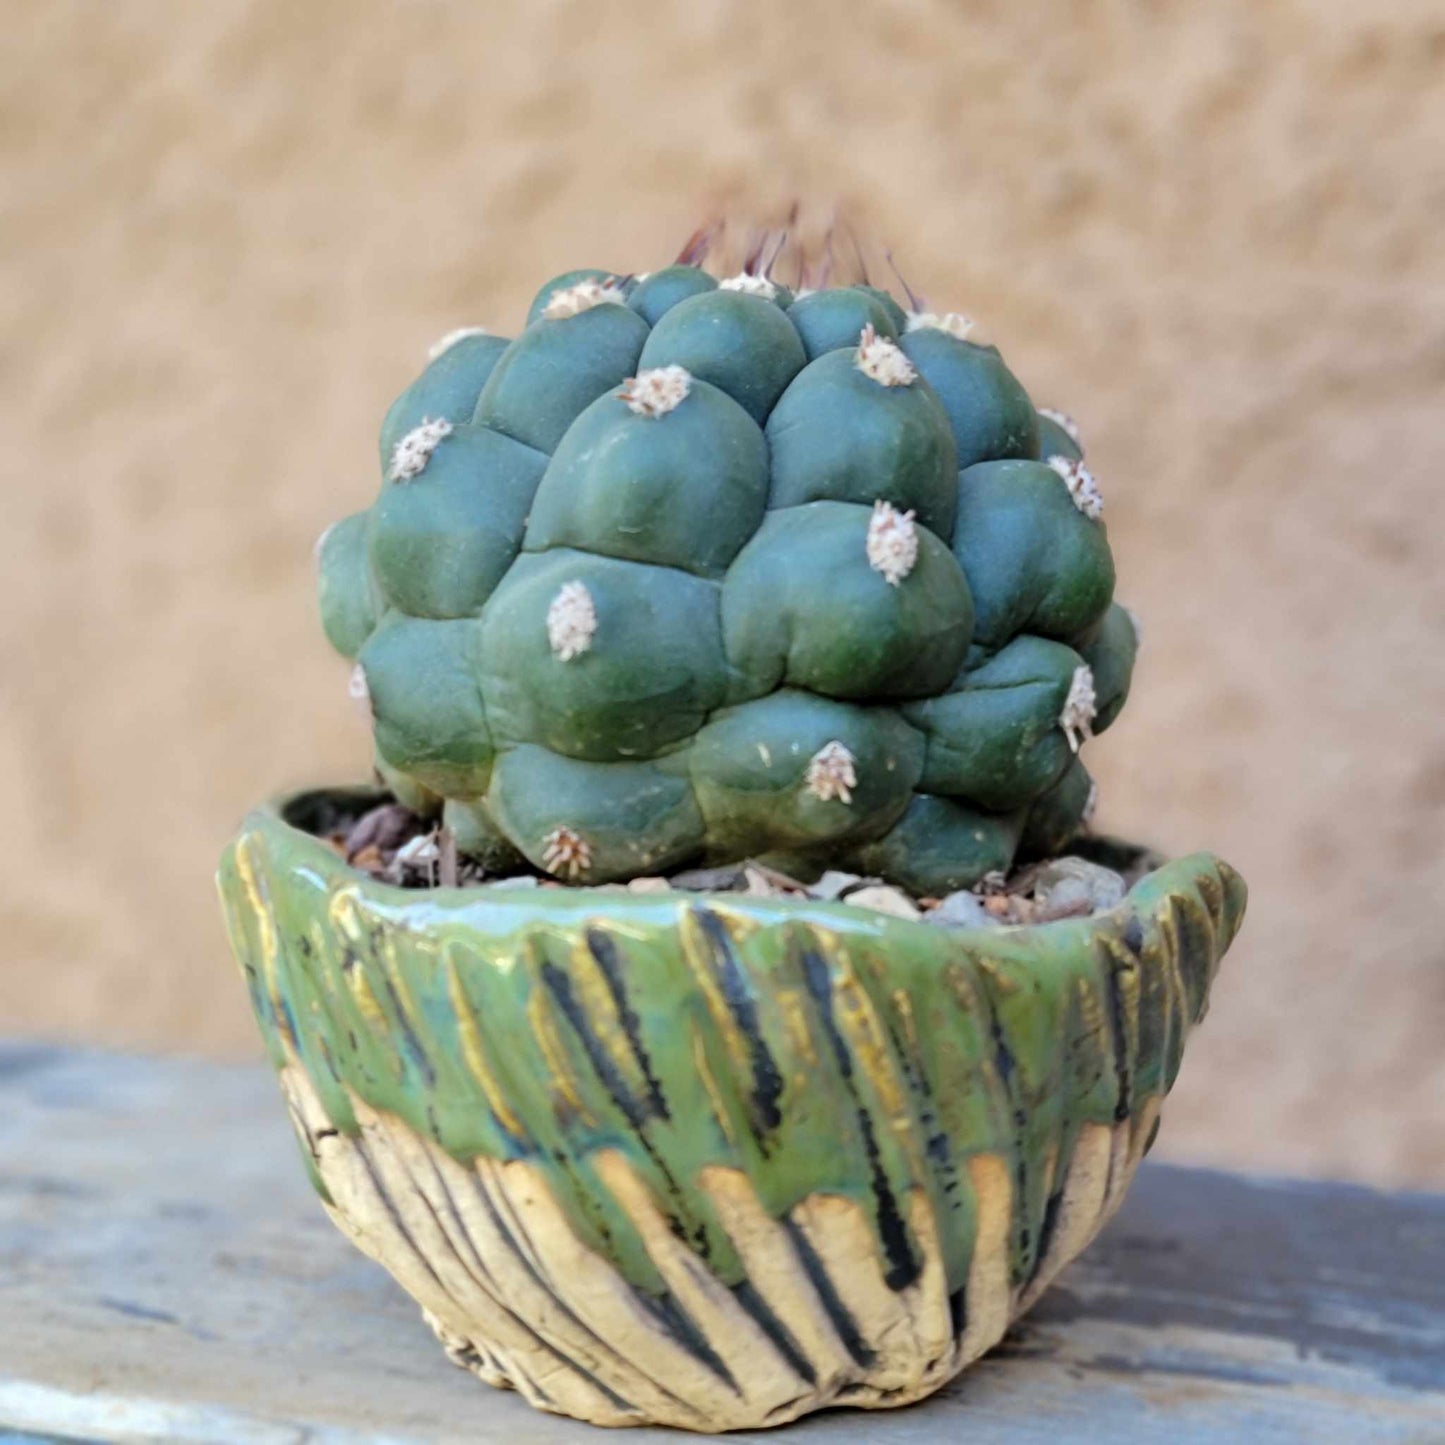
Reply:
x=443, y=344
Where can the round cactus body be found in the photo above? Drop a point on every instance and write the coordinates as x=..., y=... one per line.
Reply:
x=694, y=571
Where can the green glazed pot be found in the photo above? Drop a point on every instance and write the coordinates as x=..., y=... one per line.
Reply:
x=709, y=1160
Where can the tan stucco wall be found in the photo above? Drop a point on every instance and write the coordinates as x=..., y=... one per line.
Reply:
x=1211, y=231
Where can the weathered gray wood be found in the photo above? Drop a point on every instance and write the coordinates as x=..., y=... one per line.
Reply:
x=165, y=1274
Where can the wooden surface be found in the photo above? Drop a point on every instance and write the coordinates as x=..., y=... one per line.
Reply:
x=166, y=1274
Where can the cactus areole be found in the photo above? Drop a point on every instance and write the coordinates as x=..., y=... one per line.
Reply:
x=690, y=572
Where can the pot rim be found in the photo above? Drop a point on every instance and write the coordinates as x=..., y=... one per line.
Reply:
x=281, y=818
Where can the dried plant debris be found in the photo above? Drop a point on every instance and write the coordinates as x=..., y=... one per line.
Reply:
x=396, y=845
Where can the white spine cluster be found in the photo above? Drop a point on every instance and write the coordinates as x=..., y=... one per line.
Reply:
x=1091, y=804
x=445, y=343
x=1077, y=718
x=571, y=621
x=1065, y=423
x=658, y=391
x=832, y=773
x=892, y=544
x=413, y=451
x=954, y=323
x=356, y=685
x=568, y=301
x=749, y=285
x=1082, y=486
x=566, y=853
x=883, y=361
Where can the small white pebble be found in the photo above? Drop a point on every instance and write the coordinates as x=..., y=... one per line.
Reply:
x=566, y=853
x=571, y=621
x=568, y=301
x=414, y=450
x=658, y=391
x=961, y=910
x=1069, y=882
x=892, y=544
x=832, y=773
x=749, y=285
x=1080, y=706
x=649, y=885
x=420, y=852
x=882, y=899
x=883, y=361
x=1083, y=488
x=835, y=883
x=443, y=344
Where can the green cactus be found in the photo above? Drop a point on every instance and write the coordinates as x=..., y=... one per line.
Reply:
x=692, y=571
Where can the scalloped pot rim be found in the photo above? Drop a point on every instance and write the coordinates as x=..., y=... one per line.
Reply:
x=615, y=900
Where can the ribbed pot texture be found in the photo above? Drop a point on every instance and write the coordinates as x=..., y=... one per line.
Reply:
x=708, y=1160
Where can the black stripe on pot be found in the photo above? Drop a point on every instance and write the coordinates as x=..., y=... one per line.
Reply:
x=936, y=1145
x=767, y=1079
x=559, y=985
x=680, y=1327
x=634, y=1110
x=844, y=1325
x=782, y=1340
x=410, y=1042
x=903, y=1267
x=502, y=1308
x=1111, y=968
x=1007, y=1071
x=398, y=1223
x=509, y=1240
x=1194, y=950
x=1049, y=1225
x=604, y=952
x=1133, y=935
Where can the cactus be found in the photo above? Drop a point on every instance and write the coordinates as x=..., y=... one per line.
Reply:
x=696, y=570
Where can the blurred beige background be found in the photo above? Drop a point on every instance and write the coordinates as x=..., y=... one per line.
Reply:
x=1214, y=233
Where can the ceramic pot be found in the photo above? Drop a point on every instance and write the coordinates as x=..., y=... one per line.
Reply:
x=709, y=1160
